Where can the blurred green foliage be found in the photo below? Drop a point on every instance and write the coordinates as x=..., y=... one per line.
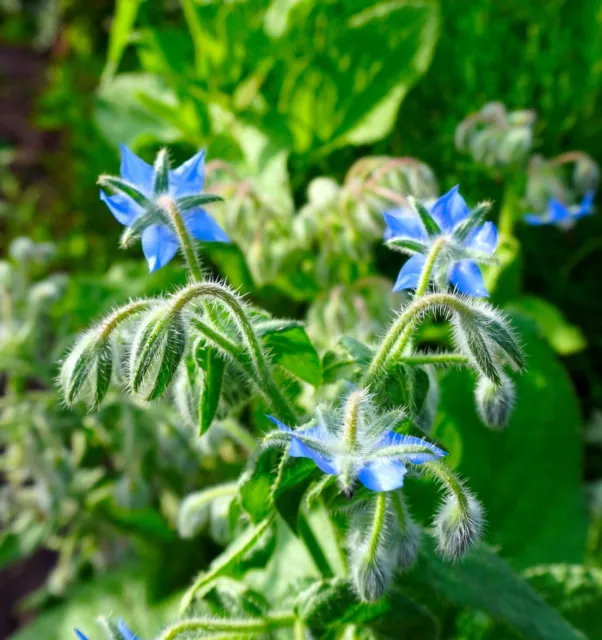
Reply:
x=287, y=91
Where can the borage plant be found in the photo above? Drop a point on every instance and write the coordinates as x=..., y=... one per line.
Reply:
x=224, y=360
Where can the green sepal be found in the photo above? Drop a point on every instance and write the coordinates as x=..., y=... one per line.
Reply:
x=187, y=203
x=161, y=176
x=407, y=245
x=126, y=188
x=430, y=224
x=474, y=219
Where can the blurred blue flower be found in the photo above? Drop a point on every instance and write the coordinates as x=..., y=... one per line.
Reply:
x=80, y=635
x=562, y=215
x=160, y=243
x=378, y=458
x=467, y=241
x=125, y=631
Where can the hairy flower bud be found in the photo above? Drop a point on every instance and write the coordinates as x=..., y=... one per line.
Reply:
x=156, y=352
x=494, y=402
x=86, y=372
x=371, y=578
x=458, y=525
x=586, y=175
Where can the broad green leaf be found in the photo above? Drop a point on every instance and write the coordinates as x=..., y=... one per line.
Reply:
x=121, y=28
x=295, y=477
x=231, y=263
x=564, y=337
x=485, y=582
x=213, y=366
x=291, y=348
x=255, y=485
x=123, y=118
x=575, y=590
x=529, y=475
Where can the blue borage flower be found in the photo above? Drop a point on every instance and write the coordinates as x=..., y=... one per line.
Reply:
x=562, y=215
x=159, y=242
x=124, y=630
x=377, y=456
x=466, y=241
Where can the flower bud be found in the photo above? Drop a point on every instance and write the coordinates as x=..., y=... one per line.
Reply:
x=6, y=274
x=371, y=578
x=586, y=176
x=495, y=401
x=515, y=145
x=405, y=533
x=86, y=372
x=322, y=191
x=22, y=249
x=156, y=352
x=458, y=525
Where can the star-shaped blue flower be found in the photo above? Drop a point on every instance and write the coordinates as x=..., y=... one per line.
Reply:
x=378, y=459
x=562, y=215
x=159, y=242
x=466, y=240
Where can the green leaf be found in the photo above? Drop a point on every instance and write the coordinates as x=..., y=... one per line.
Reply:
x=255, y=485
x=213, y=366
x=196, y=509
x=483, y=581
x=290, y=347
x=119, y=37
x=575, y=590
x=231, y=263
x=295, y=477
x=565, y=338
x=536, y=511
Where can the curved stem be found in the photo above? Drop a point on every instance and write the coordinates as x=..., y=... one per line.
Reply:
x=184, y=239
x=401, y=331
x=434, y=358
x=231, y=556
x=446, y=477
x=111, y=322
x=427, y=270
x=377, y=526
x=253, y=346
x=270, y=622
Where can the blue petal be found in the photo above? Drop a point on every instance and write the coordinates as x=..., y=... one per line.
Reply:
x=136, y=171
x=557, y=211
x=382, y=476
x=535, y=220
x=410, y=273
x=203, y=227
x=450, y=209
x=483, y=239
x=299, y=449
x=404, y=222
x=80, y=635
x=466, y=277
x=394, y=439
x=189, y=178
x=585, y=208
x=122, y=207
x=125, y=631
x=159, y=245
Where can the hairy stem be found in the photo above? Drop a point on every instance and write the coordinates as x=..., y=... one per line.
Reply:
x=429, y=265
x=434, y=358
x=446, y=477
x=231, y=556
x=252, y=344
x=110, y=323
x=270, y=622
x=377, y=526
x=393, y=344
x=190, y=255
